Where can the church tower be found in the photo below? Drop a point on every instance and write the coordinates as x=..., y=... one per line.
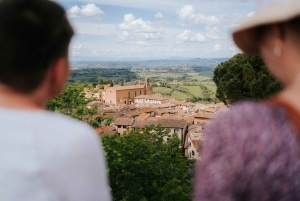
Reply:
x=147, y=86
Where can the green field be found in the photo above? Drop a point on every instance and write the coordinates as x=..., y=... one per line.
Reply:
x=195, y=90
x=210, y=85
x=179, y=95
x=162, y=90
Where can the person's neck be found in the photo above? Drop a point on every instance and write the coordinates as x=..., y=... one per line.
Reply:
x=12, y=99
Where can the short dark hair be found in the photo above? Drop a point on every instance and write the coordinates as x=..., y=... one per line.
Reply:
x=33, y=35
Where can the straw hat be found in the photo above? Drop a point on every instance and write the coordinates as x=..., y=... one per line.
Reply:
x=280, y=11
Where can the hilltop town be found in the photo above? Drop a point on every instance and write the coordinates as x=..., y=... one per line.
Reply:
x=136, y=106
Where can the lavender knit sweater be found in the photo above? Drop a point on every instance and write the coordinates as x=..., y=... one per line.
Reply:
x=251, y=153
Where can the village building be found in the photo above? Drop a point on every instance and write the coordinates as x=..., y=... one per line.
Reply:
x=188, y=106
x=109, y=130
x=176, y=126
x=203, y=118
x=150, y=99
x=193, y=141
x=91, y=93
x=124, y=95
x=123, y=124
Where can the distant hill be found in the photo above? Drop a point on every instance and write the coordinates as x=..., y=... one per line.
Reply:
x=170, y=62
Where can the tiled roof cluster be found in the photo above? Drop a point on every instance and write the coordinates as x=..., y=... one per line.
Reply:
x=124, y=121
x=105, y=130
x=171, y=123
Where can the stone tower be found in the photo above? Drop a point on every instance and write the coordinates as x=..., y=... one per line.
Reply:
x=147, y=86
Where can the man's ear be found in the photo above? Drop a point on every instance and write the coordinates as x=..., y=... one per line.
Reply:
x=58, y=75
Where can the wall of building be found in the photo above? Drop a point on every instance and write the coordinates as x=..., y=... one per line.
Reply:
x=192, y=152
x=125, y=96
x=121, y=129
x=151, y=101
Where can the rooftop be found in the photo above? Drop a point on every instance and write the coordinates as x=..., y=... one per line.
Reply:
x=124, y=121
x=171, y=123
x=118, y=88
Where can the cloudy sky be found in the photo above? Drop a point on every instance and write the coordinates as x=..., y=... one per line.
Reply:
x=154, y=29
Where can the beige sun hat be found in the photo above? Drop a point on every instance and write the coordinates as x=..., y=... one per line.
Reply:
x=279, y=11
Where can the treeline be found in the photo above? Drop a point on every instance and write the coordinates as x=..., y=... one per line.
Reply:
x=244, y=77
x=92, y=75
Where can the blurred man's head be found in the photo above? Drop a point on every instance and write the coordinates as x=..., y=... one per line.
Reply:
x=34, y=37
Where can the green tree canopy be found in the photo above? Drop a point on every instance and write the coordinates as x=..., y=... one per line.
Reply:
x=244, y=77
x=72, y=102
x=144, y=167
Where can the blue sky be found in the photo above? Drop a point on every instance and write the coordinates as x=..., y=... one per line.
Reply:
x=154, y=29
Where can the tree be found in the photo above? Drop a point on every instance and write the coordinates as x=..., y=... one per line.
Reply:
x=144, y=167
x=72, y=102
x=244, y=77
x=101, y=82
x=108, y=121
x=122, y=83
x=111, y=84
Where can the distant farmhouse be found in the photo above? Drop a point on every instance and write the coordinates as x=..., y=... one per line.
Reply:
x=125, y=95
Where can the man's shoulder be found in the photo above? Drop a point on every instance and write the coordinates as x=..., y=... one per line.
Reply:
x=62, y=126
x=63, y=120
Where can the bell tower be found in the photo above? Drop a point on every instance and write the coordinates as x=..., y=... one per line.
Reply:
x=147, y=86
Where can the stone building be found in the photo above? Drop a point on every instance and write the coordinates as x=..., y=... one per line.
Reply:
x=124, y=95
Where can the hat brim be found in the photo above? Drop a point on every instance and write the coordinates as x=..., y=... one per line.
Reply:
x=244, y=35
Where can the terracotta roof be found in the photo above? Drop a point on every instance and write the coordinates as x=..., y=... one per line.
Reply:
x=176, y=102
x=188, y=104
x=181, y=112
x=152, y=121
x=210, y=109
x=143, y=116
x=139, y=124
x=118, y=88
x=194, y=109
x=171, y=116
x=113, y=114
x=143, y=123
x=104, y=129
x=171, y=123
x=204, y=116
x=124, y=121
x=133, y=113
x=109, y=110
x=146, y=110
x=157, y=112
x=189, y=119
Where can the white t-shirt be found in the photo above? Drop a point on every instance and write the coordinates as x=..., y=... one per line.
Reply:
x=46, y=156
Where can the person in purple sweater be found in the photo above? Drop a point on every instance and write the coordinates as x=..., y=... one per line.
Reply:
x=253, y=151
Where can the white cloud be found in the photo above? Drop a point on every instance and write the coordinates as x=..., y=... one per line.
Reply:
x=213, y=33
x=217, y=47
x=142, y=43
x=137, y=25
x=136, y=31
x=159, y=15
x=89, y=10
x=188, y=36
x=188, y=16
